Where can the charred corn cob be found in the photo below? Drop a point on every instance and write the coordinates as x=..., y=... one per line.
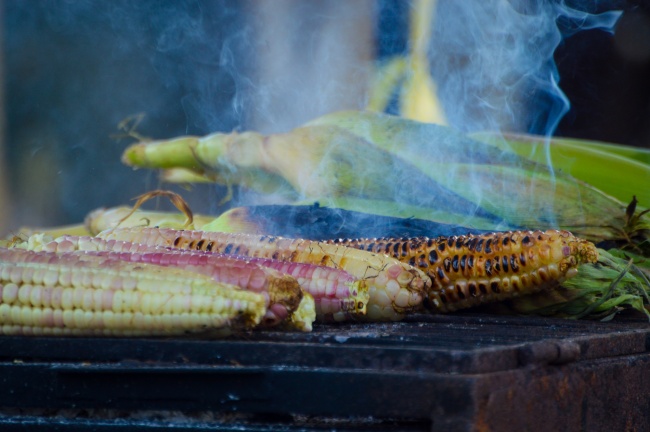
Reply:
x=121, y=299
x=394, y=288
x=472, y=269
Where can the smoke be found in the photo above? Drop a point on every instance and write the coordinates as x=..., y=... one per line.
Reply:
x=493, y=61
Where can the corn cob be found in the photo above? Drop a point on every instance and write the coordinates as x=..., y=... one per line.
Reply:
x=394, y=288
x=282, y=292
x=338, y=295
x=472, y=269
x=121, y=299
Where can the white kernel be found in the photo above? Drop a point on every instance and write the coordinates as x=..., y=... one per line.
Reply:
x=68, y=318
x=24, y=294
x=5, y=313
x=10, y=293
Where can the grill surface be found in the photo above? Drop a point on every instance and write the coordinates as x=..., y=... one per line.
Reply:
x=461, y=372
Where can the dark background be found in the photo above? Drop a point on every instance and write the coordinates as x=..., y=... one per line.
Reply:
x=74, y=69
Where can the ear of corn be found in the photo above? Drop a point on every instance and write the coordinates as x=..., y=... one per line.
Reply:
x=485, y=174
x=282, y=291
x=319, y=162
x=394, y=288
x=468, y=270
x=59, y=297
x=335, y=295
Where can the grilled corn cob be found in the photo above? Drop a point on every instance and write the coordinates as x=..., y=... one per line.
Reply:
x=282, y=292
x=472, y=269
x=338, y=295
x=394, y=288
x=121, y=299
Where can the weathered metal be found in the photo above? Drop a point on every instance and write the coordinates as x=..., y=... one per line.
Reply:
x=456, y=373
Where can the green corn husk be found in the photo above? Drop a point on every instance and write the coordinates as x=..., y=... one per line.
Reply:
x=619, y=171
x=319, y=162
x=350, y=158
x=520, y=191
x=599, y=291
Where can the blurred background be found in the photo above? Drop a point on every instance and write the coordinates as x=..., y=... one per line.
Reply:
x=82, y=78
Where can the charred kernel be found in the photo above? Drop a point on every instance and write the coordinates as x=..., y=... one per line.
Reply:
x=459, y=292
x=479, y=245
x=191, y=245
x=463, y=260
x=405, y=248
x=488, y=267
x=482, y=287
x=272, y=240
x=276, y=255
x=371, y=246
x=412, y=262
x=443, y=298
x=177, y=241
x=506, y=240
x=522, y=259
x=423, y=264
x=441, y=247
x=497, y=265
x=513, y=264
x=228, y=248
x=459, y=243
x=454, y=263
x=470, y=262
x=450, y=241
x=199, y=244
x=504, y=262
x=525, y=241
x=472, y=244
x=447, y=264
x=433, y=256
x=441, y=274
x=472, y=289
x=388, y=246
x=494, y=286
x=209, y=246
x=488, y=246
x=430, y=243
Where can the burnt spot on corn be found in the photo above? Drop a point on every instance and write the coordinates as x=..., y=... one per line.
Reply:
x=209, y=246
x=488, y=267
x=504, y=263
x=199, y=244
x=505, y=241
x=441, y=247
x=513, y=264
x=472, y=289
x=479, y=245
x=454, y=263
x=526, y=241
x=228, y=249
x=459, y=292
x=447, y=263
x=412, y=262
x=450, y=241
x=470, y=262
x=488, y=246
x=177, y=241
x=483, y=288
x=494, y=286
x=463, y=261
x=497, y=264
x=441, y=274
x=433, y=256
x=459, y=243
x=522, y=259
